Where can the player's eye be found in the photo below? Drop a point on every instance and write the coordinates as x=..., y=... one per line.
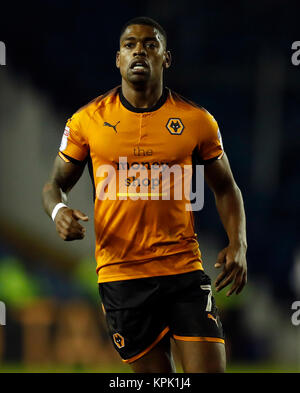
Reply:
x=151, y=45
x=128, y=44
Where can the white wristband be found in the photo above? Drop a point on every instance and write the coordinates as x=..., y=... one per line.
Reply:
x=56, y=208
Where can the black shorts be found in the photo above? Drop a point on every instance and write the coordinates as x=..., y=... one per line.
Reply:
x=140, y=312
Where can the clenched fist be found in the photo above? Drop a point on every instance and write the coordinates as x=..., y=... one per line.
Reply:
x=67, y=225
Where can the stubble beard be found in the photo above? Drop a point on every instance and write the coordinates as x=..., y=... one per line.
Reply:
x=139, y=81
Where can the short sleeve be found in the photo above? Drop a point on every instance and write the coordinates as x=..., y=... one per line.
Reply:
x=73, y=143
x=210, y=145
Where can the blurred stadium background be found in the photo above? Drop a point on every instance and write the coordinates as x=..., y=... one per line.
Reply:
x=233, y=58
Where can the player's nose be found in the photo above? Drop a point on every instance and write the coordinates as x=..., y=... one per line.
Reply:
x=139, y=50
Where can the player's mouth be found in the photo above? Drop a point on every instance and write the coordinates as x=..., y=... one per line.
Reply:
x=139, y=66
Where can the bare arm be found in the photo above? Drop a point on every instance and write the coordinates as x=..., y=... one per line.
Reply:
x=62, y=179
x=230, y=207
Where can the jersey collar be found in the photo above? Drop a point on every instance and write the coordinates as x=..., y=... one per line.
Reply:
x=132, y=108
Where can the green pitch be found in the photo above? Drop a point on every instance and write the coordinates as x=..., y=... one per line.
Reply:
x=233, y=368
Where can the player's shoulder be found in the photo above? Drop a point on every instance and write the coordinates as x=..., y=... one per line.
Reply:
x=186, y=104
x=99, y=102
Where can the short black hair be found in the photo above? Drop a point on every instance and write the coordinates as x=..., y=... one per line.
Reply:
x=144, y=20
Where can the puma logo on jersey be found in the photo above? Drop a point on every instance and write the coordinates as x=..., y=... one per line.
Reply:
x=213, y=318
x=112, y=126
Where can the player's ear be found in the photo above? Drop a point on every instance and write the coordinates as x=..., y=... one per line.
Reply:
x=118, y=59
x=167, y=59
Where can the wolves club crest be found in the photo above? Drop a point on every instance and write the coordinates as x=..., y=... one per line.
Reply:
x=119, y=340
x=175, y=126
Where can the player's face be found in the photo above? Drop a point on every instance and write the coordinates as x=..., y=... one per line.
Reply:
x=142, y=56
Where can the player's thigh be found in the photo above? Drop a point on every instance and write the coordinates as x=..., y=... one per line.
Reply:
x=196, y=326
x=157, y=360
x=202, y=357
x=136, y=324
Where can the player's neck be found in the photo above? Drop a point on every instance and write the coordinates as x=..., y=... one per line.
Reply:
x=145, y=97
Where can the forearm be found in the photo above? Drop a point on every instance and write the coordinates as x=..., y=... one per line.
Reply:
x=229, y=202
x=231, y=210
x=52, y=195
x=62, y=179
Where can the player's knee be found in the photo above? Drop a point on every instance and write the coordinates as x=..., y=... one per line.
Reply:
x=217, y=367
x=209, y=367
x=213, y=361
x=158, y=360
x=152, y=367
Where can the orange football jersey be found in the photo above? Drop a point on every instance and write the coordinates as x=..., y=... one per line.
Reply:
x=139, y=231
